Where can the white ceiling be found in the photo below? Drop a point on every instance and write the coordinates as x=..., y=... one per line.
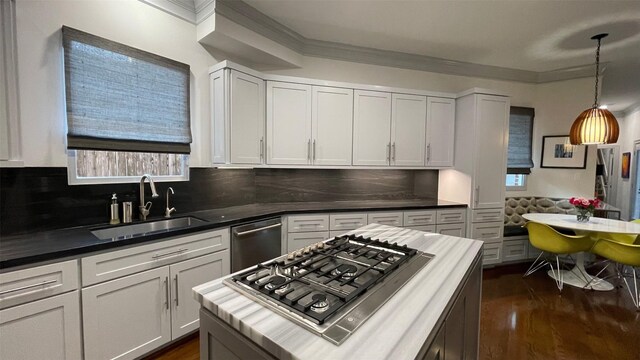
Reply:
x=527, y=35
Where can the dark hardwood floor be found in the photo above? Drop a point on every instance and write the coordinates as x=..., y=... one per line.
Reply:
x=528, y=319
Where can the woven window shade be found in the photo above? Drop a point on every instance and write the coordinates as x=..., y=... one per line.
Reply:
x=124, y=99
x=519, y=160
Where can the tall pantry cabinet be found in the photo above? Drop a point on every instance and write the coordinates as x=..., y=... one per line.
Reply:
x=478, y=179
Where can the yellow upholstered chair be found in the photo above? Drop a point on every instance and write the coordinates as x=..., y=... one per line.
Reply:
x=628, y=257
x=551, y=242
x=622, y=238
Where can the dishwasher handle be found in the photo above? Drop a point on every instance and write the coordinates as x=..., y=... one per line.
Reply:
x=242, y=233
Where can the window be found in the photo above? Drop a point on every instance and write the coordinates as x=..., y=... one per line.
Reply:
x=519, y=153
x=516, y=182
x=128, y=111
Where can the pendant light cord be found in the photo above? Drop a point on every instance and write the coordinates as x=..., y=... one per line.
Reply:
x=595, y=104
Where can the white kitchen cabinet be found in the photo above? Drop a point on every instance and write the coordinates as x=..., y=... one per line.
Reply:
x=43, y=329
x=393, y=218
x=440, y=132
x=452, y=229
x=186, y=275
x=127, y=317
x=297, y=241
x=490, y=151
x=408, y=127
x=514, y=250
x=238, y=112
x=332, y=126
x=371, y=128
x=288, y=123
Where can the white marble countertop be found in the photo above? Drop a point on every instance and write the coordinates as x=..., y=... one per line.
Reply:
x=396, y=331
x=594, y=224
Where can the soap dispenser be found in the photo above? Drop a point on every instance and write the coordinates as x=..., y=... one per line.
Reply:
x=115, y=210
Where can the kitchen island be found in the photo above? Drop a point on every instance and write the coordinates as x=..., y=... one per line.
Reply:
x=434, y=315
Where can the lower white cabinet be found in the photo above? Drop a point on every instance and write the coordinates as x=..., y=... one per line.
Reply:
x=186, y=275
x=133, y=315
x=386, y=218
x=297, y=241
x=492, y=254
x=452, y=229
x=127, y=317
x=43, y=329
x=514, y=250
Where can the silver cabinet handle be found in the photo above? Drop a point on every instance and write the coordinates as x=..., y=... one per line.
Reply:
x=261, y=148
x=394, y=151
x=177, y=252
x=176, y=281
x=28, y=287
x=428, y=153
x=388, y=151
x=309, y=149
x=477, y=194
x=314, y=149
x=258, y=229
x=166, y=292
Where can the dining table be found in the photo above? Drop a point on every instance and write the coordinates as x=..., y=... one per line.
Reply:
x=578, y=275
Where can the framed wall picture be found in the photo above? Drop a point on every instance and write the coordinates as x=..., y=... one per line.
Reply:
x=626, y=165
x=558, y=153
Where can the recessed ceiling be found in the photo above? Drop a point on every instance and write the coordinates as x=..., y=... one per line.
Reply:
x=527, y=35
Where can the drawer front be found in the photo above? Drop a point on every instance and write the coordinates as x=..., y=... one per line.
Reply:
x=420, y=217
x=492, y=254
x=486, y=215
x=306, y=223
x=22, y=286
x=452, y=230
x=451, y=216
x=297, y=241
x=347, y=221
x=489, y=232
x=427, y=228
x=514, y=250
x=385, y=218
x=111, y=265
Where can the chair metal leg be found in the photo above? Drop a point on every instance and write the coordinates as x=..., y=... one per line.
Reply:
x=536, y=265
x=558, y=275
x=635, y=293
x=596, y=279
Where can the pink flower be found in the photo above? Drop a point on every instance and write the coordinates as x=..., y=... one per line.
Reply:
x=585, y=202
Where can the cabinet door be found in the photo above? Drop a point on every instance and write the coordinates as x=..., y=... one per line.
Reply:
x=441, y=114
x=247, y=119
x=463, y=323
x=492, y=124
x=332, y=123
x=297, y=241
x=371, y=128
x=186, y=275
x=43, y=329
x=408, y=127
x=127, y=317
x=288, y=123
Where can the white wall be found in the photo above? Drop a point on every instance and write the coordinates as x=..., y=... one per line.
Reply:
x=130, y=22
x=557, y=104
x=629, y=133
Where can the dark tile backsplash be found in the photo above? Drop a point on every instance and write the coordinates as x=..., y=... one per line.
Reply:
x=36, y=199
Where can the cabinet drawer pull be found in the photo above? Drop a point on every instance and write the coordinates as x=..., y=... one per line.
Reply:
x=177, y=292
x=28, y=287
x=177, y=252
x=166, y=292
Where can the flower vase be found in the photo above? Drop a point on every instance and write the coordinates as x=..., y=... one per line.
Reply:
x=584, y=215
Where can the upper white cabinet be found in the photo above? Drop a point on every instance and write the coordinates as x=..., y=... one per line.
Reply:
x=238, y=111
x=288, y=124
x=332, y=123
x=441, y=114
x=371, y=128
x=408, y=123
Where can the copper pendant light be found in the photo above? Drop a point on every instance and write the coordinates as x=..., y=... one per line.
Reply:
x=595, y=125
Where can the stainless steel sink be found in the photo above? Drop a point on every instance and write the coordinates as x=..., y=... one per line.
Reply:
x=147, y=228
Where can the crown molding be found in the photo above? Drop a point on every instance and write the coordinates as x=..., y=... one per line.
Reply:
x=183, y=9
x=249, y=17
x=631, y=109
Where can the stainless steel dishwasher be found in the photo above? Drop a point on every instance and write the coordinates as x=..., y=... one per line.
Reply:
x=255, y=242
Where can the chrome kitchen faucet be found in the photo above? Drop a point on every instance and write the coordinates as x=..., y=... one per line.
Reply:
x=168, y=210
x=145, y=207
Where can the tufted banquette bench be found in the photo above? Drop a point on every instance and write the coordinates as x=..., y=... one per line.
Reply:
x=515, y=207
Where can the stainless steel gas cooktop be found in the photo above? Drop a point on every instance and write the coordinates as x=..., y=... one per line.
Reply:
x=332, y=287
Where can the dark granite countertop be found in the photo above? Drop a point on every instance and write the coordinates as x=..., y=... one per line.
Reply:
x=27, y=249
